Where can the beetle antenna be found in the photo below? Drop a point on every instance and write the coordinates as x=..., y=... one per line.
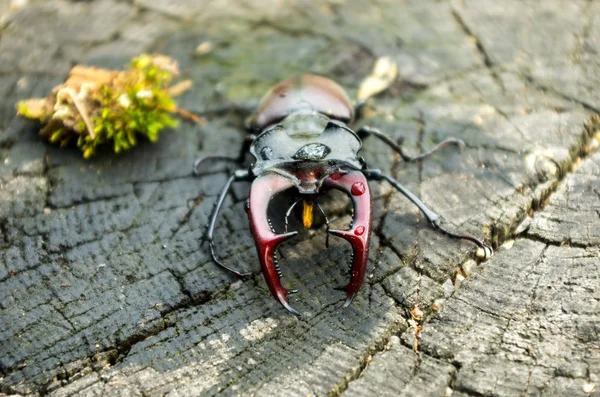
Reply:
x=287, y=214
x=326, y=223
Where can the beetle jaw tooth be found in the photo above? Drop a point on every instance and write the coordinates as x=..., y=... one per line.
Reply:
x=349, y=299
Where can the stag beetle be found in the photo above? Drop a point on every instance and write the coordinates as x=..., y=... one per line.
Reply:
x=301, y=141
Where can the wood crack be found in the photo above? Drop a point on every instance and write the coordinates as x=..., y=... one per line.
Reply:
x=485, y=57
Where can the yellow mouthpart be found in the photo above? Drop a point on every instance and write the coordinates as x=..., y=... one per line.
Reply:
x=307, y=214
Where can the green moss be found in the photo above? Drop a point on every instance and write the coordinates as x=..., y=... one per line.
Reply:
x=108, y=108
x=24, y=110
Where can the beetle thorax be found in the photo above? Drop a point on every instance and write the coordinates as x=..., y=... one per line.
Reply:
x=306, y=147
x=304, y=124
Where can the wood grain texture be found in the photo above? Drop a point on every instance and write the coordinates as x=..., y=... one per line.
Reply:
x=106, y=290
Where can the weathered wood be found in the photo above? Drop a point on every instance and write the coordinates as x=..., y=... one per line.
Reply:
x=106, y=290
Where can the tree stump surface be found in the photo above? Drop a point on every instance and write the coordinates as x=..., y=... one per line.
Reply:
x=106, y=290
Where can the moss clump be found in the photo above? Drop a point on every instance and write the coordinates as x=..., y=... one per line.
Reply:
x=96, y=107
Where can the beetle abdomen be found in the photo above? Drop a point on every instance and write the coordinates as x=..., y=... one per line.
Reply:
x=303, y=92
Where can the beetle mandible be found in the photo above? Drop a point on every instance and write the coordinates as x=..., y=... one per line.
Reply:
x=300, y=140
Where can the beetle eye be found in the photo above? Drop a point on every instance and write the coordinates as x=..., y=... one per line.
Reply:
x=266, y=153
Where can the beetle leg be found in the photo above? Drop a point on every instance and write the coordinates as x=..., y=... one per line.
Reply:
x=367, y=131
x=239, y=159
x=200, y=161
x=432, y=217
x=239, y=175
x=356, y=186
x=262, y=190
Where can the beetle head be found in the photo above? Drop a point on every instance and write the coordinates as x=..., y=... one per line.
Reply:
x=266, y=186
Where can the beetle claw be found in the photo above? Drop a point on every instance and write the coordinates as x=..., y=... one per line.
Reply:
x=246, y=276
x=355, y=184
x=262, y=190
x=485, y=251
